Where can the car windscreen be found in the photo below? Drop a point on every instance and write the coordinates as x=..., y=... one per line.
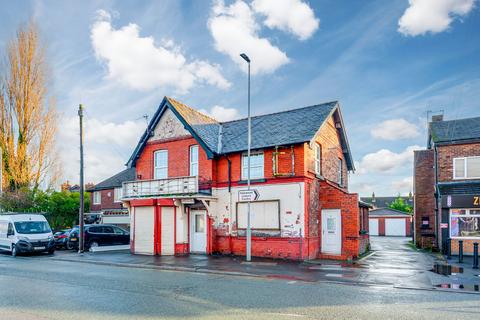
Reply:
x=32, y=227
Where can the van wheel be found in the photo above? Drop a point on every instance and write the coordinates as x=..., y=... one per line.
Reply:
x=14, y=250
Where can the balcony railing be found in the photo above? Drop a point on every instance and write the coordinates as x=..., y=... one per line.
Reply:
x=160, y=187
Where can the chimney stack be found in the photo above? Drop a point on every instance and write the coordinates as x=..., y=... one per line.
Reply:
x=437, y=118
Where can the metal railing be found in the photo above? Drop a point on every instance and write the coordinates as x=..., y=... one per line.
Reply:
x=160, y=187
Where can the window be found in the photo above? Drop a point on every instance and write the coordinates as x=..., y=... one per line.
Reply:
x=194, y=160
x=340, y=172
x=199, y=223
x=318, y=158
x=465, y=223
x=256, y=165
x=264, y=215
x=466, y=168
x=117, y=194
x=97, y=197
x=118, y=231
x=160, y=164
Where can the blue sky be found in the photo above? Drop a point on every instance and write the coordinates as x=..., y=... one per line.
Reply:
x=387, y=62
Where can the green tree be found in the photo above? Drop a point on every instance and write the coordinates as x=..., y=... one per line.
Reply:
x=400, y=205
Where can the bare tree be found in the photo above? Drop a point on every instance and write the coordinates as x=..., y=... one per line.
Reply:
x=28, y=118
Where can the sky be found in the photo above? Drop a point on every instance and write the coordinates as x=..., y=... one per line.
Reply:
x=387, y=63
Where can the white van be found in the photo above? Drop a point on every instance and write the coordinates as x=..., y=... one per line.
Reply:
x=25, y=233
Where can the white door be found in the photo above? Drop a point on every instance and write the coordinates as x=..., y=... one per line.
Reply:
x=167, y=232
x=395, y=227
x=143, y=230
x=373, y=227
x=198, y=231
x=331, y=231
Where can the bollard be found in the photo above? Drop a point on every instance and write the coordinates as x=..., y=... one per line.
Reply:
x=460, y=251
x=475, y=255
x=449, y=248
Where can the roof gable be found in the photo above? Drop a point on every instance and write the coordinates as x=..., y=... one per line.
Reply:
x=281, y=128
x=454, y=131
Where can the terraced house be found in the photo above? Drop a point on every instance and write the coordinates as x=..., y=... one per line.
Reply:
x=190, y=169
x=447, y=185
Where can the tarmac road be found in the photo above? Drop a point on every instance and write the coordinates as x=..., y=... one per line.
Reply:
x=42, y=288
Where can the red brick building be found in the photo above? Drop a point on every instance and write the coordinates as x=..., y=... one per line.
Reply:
x=447, y=185
x=106, y=200
x=191, y=169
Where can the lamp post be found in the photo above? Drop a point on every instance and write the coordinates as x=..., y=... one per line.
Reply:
x=249, y=229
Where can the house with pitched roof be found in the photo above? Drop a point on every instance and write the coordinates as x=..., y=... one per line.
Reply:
x=191, y=172
x=447, y=185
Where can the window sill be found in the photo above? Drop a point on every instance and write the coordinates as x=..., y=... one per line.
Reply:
x=252, y=181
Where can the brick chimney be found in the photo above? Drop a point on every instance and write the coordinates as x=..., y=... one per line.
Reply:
x=437, y=118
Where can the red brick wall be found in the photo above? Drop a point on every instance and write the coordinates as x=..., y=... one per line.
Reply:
x=467, y=246
x=107, y=201
x=424, y=198
x=446, y=154
x=178, y=156
x=332, y=197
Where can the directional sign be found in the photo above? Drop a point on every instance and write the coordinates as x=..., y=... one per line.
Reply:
x=248, y=195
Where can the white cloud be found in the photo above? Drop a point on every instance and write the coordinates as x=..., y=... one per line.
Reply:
x=139, y=63
x=221, y=113
x=294, y=16
x=404, y=185
x=235, y=31
x=385, y=161
x=423, y=16
x=107, y=146
x=395, y=129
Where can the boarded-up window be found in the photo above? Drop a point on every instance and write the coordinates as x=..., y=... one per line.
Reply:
x=264, y=215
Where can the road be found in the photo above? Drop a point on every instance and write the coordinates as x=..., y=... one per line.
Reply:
x=41, y=288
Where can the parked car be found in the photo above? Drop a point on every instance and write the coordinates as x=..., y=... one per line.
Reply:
x=61, y=238
x=100, y=235
x=25, y=233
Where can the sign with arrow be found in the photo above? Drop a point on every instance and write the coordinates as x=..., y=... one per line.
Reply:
x=248, y=195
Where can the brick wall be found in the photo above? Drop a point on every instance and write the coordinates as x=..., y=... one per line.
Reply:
x=424, y=199
x=446, y=154
x=179, y=159
x=332, y=197
x=107, y=201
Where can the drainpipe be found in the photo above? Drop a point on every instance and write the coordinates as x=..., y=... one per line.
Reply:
x=438, y=198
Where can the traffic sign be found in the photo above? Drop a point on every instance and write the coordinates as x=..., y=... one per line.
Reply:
x=248, y=195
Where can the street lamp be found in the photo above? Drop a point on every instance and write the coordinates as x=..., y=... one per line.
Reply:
x=249, y=229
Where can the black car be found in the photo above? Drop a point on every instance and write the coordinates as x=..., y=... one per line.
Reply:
x=61, y=238
x=100, y=235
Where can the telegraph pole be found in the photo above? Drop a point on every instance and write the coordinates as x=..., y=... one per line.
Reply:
x=81, y=209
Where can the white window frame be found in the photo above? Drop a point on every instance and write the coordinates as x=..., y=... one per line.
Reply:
x=157, y=166
x=194, y=165
x=94, y=198
x=245, y=165
x=465, y=168
x=467, y=214
x=117, y=194
x=318, y=158
x=340, y=171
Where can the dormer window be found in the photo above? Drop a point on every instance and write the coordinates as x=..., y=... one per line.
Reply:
x=466, y=168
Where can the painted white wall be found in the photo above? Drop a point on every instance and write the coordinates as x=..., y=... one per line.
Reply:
x=182, y=225
x=168, y=127
x=116, y=220
x=292, y=208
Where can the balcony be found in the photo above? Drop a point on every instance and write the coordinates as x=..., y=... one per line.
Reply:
x=180, y=186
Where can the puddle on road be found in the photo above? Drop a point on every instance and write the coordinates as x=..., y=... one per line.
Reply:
x=446, y=269
x=456, y=286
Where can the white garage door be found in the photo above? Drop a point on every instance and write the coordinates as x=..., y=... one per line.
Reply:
x=373, y=227
x=144, y=221
x=395, y=227
x=168, y=233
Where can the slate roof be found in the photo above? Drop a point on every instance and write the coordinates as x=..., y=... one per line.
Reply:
x=384, y=202
x=275, y=129
x=387, y=212
x=459, y=188
x=116, y=180
x=455, y=130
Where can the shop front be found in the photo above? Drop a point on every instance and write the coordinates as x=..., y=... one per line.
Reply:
x=460, y=221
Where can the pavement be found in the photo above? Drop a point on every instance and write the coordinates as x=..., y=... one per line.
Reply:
x=41, y=287
x=392, y=262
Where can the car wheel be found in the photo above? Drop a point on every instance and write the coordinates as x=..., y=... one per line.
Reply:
x=69, y=245
x=93, y=244
x=14, y=250
x=51, y=251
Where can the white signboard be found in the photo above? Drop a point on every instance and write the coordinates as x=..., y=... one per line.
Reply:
x=248, y=195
